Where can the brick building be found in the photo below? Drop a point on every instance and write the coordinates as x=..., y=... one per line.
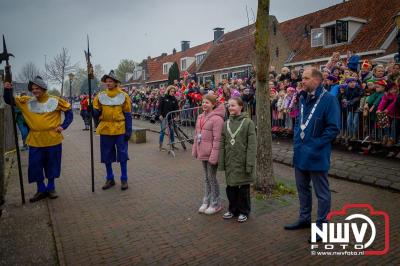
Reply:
x=365, y=27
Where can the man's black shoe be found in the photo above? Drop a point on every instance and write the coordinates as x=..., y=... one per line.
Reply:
x=297, y=225
x=38, y=196
x=52, y=194
x=124, y=185
x=317, y=239
x=109, y=184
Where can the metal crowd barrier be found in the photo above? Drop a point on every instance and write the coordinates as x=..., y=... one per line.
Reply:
x=358, y=130
x=182, y=124
x=369, y=129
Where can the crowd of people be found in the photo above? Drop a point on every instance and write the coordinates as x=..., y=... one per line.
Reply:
x=368, y=96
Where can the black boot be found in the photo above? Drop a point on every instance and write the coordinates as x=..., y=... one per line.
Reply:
x=38, y=196
x=298, y=225
x=124, y=185
x=52, y=194
x=109, y=184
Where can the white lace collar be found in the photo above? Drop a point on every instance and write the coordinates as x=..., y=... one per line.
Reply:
x=107, y=100
x=47, y=107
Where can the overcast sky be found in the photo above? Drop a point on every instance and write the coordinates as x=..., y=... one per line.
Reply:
x=118, y=29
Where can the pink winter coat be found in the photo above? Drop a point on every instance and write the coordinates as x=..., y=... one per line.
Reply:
x=390, y=103
x=212, y=124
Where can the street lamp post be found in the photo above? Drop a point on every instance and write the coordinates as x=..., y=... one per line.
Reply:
x=397, y=22
x=71, y=77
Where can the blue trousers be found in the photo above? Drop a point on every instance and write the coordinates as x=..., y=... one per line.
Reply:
x=321, y=188
x=113, y=148
x=167, y=124
x=352, y=123
x=44, y=162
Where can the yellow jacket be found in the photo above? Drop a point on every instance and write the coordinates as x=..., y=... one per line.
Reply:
x=43, y=116
x=112, y=104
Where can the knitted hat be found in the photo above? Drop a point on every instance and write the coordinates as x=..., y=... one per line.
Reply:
x=333, y=78
x=381, y=82
x=235, y=93
x=348, y=80
x=38, y=81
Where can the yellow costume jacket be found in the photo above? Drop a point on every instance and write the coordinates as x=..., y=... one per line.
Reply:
x=112, y=105
x=43, y=116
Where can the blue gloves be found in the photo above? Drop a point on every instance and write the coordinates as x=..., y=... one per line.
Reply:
x=128, y=126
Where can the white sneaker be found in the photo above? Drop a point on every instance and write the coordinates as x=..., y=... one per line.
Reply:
x=203, y=208
x=212, y=210
x=228, y=215
x=242, y=218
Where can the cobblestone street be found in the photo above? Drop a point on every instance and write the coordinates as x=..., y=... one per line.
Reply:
x=155, y=222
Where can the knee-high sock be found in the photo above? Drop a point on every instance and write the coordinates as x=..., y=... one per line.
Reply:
x=51, y=185
x=41, y=187
x=110, y=174
x=124, y=171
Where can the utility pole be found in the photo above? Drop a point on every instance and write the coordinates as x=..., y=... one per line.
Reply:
x=2, y=145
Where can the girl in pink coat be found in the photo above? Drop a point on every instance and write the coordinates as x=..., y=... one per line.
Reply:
x=206, y=148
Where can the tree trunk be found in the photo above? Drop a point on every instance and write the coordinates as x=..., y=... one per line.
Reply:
x=265, y=180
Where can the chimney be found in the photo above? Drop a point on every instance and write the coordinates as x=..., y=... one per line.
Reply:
x=164, y=54
x=174, y=51
x=185, y=45
x=218, y=32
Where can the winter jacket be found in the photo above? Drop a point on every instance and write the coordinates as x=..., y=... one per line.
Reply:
x=353, y=96
x=390, y=102
x=238, y=160
x=314, y=151
x=168, y=104
x=333, y=89
x=365, y=77
x=374, y=100
x=210, y=128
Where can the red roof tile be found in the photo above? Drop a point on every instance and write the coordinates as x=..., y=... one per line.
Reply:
x=378, y=13
x=155, y=65
x=234, y=49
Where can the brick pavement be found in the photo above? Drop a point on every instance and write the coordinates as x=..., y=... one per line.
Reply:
x=381, y=172
x=155, y=222
x=26, y=235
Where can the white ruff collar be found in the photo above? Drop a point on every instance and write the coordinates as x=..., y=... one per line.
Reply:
x=107, y=100
x=47, y=107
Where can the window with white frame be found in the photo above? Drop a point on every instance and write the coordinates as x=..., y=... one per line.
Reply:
x=186, y=62
x=238, y=74
x=224, y=76
x=207, y=78
x=183, y=64
x=200, y=57
x=317, y=37
x=166, y=67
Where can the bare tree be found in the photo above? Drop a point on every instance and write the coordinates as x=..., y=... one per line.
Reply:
x=59, y=67
x=265, y=180
x=28, y=72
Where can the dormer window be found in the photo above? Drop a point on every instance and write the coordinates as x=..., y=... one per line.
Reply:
x=186, y=62
x=336, y=32
x=166, y=67
x=200, y=57
x=317, y=37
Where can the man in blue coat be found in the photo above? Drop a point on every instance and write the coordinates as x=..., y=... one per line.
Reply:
x=316, y=127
